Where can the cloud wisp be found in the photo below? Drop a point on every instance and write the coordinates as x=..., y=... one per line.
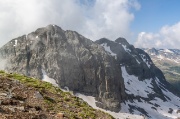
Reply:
x=102, y=18
x=167, y=37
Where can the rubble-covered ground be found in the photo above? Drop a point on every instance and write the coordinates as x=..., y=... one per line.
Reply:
x=27, y=98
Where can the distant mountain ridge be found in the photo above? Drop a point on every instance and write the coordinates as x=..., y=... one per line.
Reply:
x=119, y=77
x=165, y=54
x=168, y=60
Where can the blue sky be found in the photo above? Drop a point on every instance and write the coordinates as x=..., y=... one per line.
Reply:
x=144, y=23
x=153, y=18
x=154, y=14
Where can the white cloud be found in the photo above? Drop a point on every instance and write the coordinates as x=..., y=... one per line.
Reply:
x=19, y=17
x=104, y=18
x=110, y=19
x=167, y=37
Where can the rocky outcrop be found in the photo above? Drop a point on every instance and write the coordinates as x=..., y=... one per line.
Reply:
x=23, y=97
x=69, y=58
x=114, y=72
x=137, y=63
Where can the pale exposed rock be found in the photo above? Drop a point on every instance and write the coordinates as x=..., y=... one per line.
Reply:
x=59, y=116
x=11, y=109
x=69, y=58
x=38, y=95
x=20, y=108
x=3, y=94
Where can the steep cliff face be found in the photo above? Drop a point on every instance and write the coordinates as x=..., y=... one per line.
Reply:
x=69, y=58
x=149, y=93
x=137, y=62
x=118, y=75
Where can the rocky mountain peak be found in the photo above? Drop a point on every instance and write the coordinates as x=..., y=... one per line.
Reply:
x=71, y=59
x=152, y=51
x=117, y=75
x=121, y=40
x=144, y=82
x=173, y=55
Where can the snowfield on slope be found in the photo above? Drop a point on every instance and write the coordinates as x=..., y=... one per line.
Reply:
x=143, y=57
x=92, y=102
x=107, y=48
x=154, y=109
x=47, y=79
x=136, y=87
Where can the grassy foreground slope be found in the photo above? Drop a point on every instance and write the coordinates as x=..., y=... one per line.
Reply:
x=23, y=97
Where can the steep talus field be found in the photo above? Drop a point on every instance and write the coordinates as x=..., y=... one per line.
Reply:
x=23, y=97
x=168, y=60
x=112, y=76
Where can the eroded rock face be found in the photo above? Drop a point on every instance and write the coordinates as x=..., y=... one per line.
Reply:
x=146, y=87
x=137, y=63
x=69, y=58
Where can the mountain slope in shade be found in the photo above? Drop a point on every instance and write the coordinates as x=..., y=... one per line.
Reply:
x=168, y=60
x=149, y=93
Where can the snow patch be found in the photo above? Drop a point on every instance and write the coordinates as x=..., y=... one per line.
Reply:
x=125, y=48
x=37, y=36
x=47, y=79
x=156, y=108
x=120, y=115
x=153, y=112
x=168, y=51
x=136, y=87
x=137, y=61
x=66, y=88
x=15, y=44
x=143, y=57
x=107, y=48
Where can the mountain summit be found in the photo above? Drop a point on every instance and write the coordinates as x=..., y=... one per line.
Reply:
x=120, y=78
x=71, y=59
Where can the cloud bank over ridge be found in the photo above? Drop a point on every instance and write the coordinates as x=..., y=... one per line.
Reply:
x=100, y=18
x=167, y=37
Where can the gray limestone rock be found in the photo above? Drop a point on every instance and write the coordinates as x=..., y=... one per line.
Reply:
x=69, y=58
x=138, y=63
